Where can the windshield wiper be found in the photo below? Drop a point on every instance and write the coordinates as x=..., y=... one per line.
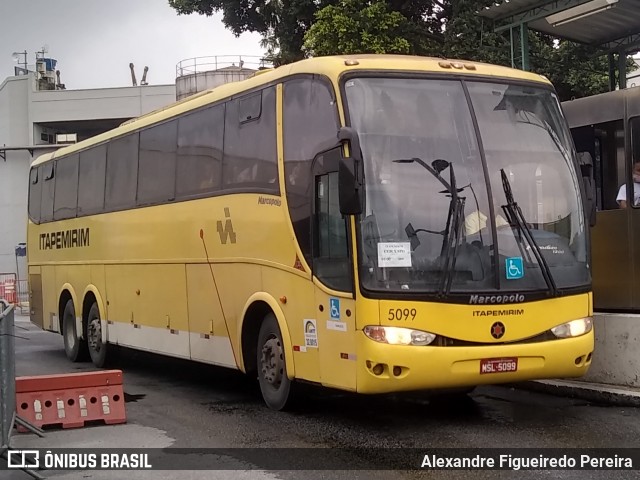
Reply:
x=515, y=217
x=453, y=229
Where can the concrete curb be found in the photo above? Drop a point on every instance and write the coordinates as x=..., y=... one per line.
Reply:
x=593, y=392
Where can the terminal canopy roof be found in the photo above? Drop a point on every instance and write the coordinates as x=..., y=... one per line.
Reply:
x=610, y=24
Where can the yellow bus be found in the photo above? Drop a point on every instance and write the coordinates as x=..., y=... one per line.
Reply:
x=369, y=223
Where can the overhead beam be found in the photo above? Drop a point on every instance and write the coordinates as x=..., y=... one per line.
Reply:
x=626, y=44
x=535, y=13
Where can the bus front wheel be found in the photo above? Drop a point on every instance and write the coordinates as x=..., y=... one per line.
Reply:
x=97, y=348
x=272, y=371
x=74, y=346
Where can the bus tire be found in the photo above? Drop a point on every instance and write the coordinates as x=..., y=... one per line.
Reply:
x=272, y=370
x=97, y=348
x=74, y=346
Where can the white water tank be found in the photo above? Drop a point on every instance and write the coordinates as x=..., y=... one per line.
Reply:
x=202, y=73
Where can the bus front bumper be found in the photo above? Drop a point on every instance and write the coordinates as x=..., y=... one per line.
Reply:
x=384, y=368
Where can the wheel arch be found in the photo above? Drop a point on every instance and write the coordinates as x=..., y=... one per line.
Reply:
x=256, y=308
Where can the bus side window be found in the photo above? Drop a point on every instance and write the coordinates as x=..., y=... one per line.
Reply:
x=122, y=172
x=91, y=172
x=48, y=191
x=199, y=168
x=35, y=193
x=157, y=163
x=250, y=159
x=310, y=122
x=331, y=254
x=66, y=188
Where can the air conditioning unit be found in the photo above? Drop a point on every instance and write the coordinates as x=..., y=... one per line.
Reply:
x=66, y=138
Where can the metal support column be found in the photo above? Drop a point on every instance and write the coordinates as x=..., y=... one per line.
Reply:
x=612, y=72
x=622, y=70
x=524, y=46
x=513, y=59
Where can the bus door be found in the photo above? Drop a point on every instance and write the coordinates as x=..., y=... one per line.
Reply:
x=611, y=236
x=633, y=149
x=333, y=276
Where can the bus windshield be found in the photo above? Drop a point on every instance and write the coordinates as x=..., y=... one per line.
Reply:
x=450, y=211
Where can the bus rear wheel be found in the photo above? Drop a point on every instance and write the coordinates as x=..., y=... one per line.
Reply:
x=74, y=347
x=272, y=370
x=97, y=348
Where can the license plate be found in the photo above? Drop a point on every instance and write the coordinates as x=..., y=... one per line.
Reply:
x=498, y=365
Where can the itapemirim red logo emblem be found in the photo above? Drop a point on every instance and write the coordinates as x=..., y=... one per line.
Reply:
x=497, y=330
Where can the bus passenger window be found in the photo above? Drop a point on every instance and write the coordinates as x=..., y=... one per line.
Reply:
x=310, y=122
x=48, y=190
x=93, y=163
x=66, y=190
x=35, y=193
x=250, y=160
x=199, y=168
x=122, y=172
x=157, y=167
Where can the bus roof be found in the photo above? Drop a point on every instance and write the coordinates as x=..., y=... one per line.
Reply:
x=332, y=67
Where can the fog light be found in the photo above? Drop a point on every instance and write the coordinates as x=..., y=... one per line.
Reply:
x=397, y=371
x=378, y=369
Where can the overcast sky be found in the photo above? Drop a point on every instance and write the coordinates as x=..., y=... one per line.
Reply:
x=95, y=40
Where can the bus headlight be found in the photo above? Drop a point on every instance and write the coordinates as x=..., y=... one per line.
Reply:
x=398, y=335
x=575, y=328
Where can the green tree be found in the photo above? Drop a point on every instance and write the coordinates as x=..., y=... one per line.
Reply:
x=293, y=29
x=358, y=26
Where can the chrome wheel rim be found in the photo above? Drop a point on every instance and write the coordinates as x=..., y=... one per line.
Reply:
x=94, y=334
x=272, y=362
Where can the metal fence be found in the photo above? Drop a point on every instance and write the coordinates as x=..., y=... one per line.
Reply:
x=9, y=288
x=7, y=374
x=8, y=416
x=191, y=66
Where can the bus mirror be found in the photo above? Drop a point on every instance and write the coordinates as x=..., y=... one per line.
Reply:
x=350, y=174
x=349, y=187
x=586, y=169
x=590, y=203
x=348, y=134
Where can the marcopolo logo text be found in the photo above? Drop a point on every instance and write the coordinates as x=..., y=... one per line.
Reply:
x=488, y=299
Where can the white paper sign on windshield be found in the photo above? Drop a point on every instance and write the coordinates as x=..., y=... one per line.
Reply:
x=394, y=254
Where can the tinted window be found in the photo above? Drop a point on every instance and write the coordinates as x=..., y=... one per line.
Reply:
x=66, y=196
x=46, y=203
x=200, y=138
x=157, y=170
x=250, y=107
x=250, y=158
x=35, y=193
x=93, y=163
x=310, y=125
x=122, y=172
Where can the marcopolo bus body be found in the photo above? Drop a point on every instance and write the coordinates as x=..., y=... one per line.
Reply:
x=370, y=223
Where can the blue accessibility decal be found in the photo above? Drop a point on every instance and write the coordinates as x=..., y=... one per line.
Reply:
x=514, y=268
x=334, y=308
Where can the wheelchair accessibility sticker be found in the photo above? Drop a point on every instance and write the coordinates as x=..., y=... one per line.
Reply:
x=514, y=268
x=334, y=308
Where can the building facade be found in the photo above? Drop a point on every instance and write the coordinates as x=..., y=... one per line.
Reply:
x=36, y=120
